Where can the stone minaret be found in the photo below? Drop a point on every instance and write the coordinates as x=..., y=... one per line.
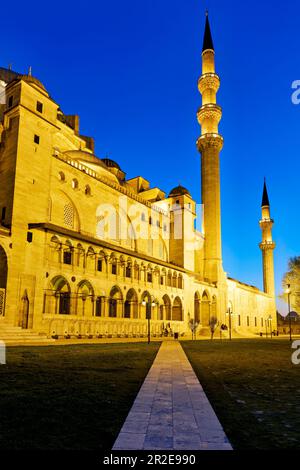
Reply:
x=209, y=145
x=267, y=246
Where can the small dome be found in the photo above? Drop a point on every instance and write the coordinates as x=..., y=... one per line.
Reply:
x=179, y=191
x=110, y=163
x=7, y=75
x=31, y=79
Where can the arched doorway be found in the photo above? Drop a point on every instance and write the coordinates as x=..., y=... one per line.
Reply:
x=115, y=303
x=177, y=310
x=3, y=280
x=85, y=299
x=167, y=307
x=60, y=292
x=131, y=305
x=205, y=309
x=197, y=300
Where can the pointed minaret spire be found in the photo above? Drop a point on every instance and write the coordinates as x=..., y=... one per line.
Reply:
x=267, y=245
x=265, y=198
x=207, y=41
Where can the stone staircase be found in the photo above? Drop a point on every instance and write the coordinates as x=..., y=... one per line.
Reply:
x=15, y=335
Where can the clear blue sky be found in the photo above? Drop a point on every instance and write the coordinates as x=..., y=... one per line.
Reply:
x=130, y=70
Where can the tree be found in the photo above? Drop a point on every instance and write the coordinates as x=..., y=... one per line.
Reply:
x=193, y=325
x=292, y=277
x=213, y=324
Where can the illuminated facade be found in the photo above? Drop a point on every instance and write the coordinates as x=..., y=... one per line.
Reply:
x=85, y=251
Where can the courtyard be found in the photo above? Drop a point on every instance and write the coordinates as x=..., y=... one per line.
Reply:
x=78, y=396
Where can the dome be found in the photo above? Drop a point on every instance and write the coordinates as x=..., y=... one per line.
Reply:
x=179, y=191
x=31, y=79
x=85, y=157
x=110, y=163
x=7, y=75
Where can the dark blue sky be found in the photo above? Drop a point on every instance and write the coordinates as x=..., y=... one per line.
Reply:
x=130, y=70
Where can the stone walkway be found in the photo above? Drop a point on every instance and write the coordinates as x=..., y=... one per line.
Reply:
x=171, y=411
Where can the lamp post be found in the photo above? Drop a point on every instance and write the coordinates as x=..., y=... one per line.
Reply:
x=230, y=313
x=288, y=292
x=148, y=305
x=270, y=321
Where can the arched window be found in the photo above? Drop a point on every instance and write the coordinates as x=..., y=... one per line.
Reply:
x=128, y=270
x=90, y=259
x=87, y=190
x=61, y=176
x=68, y=253
x=113, y=265
x=75, y=184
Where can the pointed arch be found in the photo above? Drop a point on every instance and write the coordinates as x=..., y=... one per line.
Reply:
x=131, y=304
x=115, y=302
x=205, y=308
x=167, y=307
x=85, y=299
x=64, y=212
x=177, y=313
x=58, y=297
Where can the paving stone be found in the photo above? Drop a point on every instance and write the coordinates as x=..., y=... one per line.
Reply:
x=171, y=411
x=128, y=441
x=158, y=443
x=134, y=427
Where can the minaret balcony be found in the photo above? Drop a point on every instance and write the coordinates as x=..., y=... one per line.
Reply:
x=209, y=112
x=267, y=245
x=209, y=81
x=266, y=223
x=211, y=140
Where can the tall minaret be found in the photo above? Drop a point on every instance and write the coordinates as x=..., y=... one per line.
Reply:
x=267, y=246
x=209, y=145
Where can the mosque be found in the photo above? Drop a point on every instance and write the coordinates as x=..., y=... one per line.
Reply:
x=86, y=252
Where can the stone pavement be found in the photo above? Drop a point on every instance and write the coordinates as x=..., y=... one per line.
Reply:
x=171, y=411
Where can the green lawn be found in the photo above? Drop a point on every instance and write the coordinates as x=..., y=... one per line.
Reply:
x=69, y=397
x=254, y=389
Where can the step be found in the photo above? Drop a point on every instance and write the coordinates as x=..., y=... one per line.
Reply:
x=28, y=342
